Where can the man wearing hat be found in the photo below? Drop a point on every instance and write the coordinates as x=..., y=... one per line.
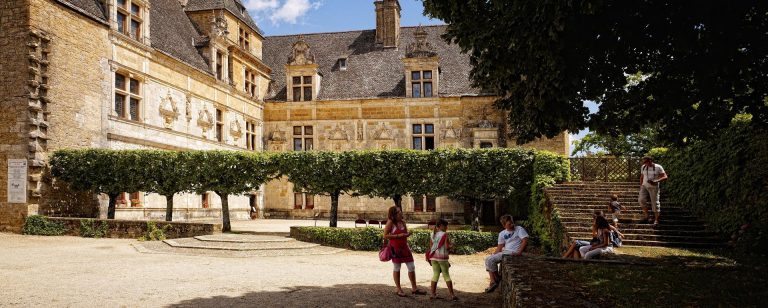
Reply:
x=650, y=176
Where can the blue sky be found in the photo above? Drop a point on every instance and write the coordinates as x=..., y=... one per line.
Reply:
x=282, y=17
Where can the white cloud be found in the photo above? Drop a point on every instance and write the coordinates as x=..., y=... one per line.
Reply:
x=258, y=5
x=279, y=11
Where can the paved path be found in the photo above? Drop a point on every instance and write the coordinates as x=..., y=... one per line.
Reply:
x=40, y=271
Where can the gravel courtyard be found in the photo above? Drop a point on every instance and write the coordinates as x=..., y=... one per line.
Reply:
x=78, y=272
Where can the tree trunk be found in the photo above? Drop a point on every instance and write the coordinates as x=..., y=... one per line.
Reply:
x=112, y=204
x=476, y=212
x=334, y=209
x=398, y=201
x=225, y=225
x=169, y=208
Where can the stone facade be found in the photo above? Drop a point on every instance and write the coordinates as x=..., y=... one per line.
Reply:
x=198, y=74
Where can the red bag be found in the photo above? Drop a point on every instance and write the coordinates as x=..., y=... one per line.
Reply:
x=385, y=253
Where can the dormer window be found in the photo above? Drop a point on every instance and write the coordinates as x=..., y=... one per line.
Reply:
x=245, y=39
x=302, y=88
x=129, y=18
x=343, y=64
x=421, y=84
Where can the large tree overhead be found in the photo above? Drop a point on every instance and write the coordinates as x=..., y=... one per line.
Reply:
x=702, y=62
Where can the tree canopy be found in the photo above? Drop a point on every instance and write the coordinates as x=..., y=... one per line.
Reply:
x=702, y=62
x=632, y=145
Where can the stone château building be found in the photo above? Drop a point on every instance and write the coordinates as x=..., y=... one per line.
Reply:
x=200, y=74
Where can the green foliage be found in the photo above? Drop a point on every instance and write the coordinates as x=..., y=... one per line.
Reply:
x=370, y=239
x=153, y=233
x=548, y=169
x=89, y=228
x=478, y=175
x=40, y=225
x=688, y=65
x=320, y=173
x=392, y=174
x=657, y=153
x=725, y=181
x=631, y=145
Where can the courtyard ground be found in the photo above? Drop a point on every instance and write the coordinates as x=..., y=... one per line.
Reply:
x=65, y=271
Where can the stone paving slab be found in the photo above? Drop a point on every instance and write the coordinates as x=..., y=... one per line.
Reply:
x=243, y=238
x=197, y=244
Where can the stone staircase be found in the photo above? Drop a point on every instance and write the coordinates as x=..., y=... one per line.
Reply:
x=576, y=201
x=236, y=245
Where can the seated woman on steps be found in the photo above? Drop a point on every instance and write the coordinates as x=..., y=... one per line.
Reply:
x=573, y=250
x=602, y=244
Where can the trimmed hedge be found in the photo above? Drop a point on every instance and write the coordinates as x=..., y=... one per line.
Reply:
x=40, y=225
x=548, y=169
x=725, y=181
x=370, y=239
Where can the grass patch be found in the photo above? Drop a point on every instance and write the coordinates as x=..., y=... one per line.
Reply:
x=681, y=278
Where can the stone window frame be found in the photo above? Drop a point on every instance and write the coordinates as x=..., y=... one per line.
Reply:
x=218, y=124
x=343, y=64
x=421, y=83
x=422, y=136
x=250, y=135
x=302, y=135
x=219, y=63
x=305, y=202
x=424, y=204
x=251, y=85
x=244, y=39
x=125, y=199
x=205, y=200
x=304, y=86
x=128, y=96
x=140, y=16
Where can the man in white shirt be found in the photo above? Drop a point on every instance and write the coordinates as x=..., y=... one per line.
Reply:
x=512, y=241
x=650, y=176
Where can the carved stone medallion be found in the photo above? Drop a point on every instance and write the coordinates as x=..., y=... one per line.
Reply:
x=169, y=110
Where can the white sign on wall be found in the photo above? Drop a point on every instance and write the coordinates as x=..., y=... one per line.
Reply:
x=17, y=181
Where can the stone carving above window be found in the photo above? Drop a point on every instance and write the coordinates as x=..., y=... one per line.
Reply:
x=205, y=120
x=301, y=54
x=383, y=132
x=169, y=110
x=235, y=129
x=219, y=25
x=420, y=48
x=338, y=133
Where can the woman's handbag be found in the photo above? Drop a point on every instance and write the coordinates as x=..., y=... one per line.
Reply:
x=385, y=253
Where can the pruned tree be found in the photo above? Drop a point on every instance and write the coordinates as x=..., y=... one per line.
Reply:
x=391, y=174
x=481, y=175
x=320, y=173
x=99, y=170
x=169, y=173
x=226, y=173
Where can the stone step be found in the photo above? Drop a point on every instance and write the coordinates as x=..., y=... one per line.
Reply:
x=683, y=220
x=649, y=230
x=653, y=237
x=626, y=215
x=631, y=243
x=238, y=246
x=628, y=210
x=686, y=227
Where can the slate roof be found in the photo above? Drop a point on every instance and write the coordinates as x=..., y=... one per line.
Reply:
x=233, y=6
x=372, y=72
x=172, y=32
x=91, y=8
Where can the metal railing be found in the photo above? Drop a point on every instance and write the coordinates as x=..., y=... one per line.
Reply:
x=605, y=169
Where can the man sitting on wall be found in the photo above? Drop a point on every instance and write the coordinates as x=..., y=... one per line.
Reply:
x=512, y=241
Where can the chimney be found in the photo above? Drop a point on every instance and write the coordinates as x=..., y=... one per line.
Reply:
x=387, y=23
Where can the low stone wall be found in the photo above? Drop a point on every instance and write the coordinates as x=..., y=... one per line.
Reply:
x=531, y=281
x=354, y=215
x=137, y=228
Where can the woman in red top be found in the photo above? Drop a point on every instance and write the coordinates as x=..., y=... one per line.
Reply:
x=396, y=231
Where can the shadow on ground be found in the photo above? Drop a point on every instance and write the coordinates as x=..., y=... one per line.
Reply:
x=345, y=295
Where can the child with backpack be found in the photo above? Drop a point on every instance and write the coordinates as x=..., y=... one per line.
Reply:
x=437, y=255
x=615, y=207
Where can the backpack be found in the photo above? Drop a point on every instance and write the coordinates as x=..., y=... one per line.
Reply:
x=615, y=239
